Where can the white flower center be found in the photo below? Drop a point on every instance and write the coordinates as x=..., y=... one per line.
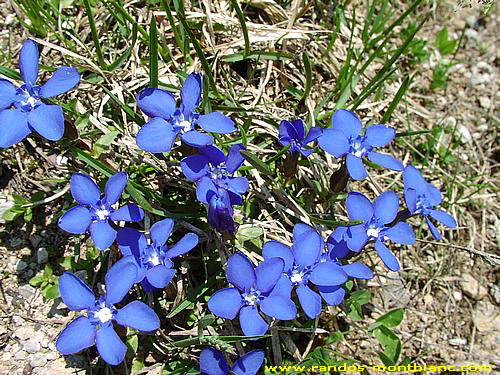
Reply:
x=30, y=100
x=251, y=299
x=102, y=214
x=373, y=232
x=185, y=124
x=104, y=315
x=296, y=277
x=154, y=259
x=359, y=151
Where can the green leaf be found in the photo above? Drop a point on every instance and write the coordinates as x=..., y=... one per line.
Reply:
x=391, y=319
x=257, y=55
x=133, y=343
x=153, y=54
x=249, y=233
x=51, y=291
x=36, y=280
x=204, y=323
x=443, y=43
x=257, y=163
x=389, y=341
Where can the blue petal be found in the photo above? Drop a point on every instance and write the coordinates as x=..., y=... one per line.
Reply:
x=283, y=287
x=268, y=273
x=159, y=276
x=337, y=246
x=130, y=213
x=185, y=244
x=76, y=336
x=444, y=218
x=328, y=274
x=287, y=133
x=411, y=200
x=347, y=122
x=114, y=187
x=279, y=307
x=119, y=279
x=139, y=316
x=196, y=139
x=355, y=167
x=358, y=271
x=234, y=158
x=238, y=185
x=379, y=135
x=401, y=233
x=156, y=136
x=250, y=363
x=240, y=272
x=252, y=324
x=156, y=103
x=334, y=142
x=413, y=179
x=84, y=189
x=212, y=362
x=111, y=349
x=386, y=206
x=14, y=127
x=205, y=190
x=161, y=230
x=433, y=195
x=191, y=93
x=132, y=244
x=314, y=133
x=216, y=122
x=310, y=301
x=359, y=207
x=356, y=237
x=195, y=167
x=63, y=80
x=390, y=261
x=385, y=161
x=48, y=121
x=275, y=249
x=225, y=303
x=307, y=248
x=434, y=231
x=213, y=153
x=300, y=128
x=102, y=234
x=333, y=295
x=28, y=61
x=75, y=293
x=220, y=212
x=299, y=229
x=7, y=94
x=76, y=220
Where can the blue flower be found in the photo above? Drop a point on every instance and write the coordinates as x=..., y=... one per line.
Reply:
x=153, y=258
x=375, y=220
x=421, y=197
x=345, y=138
x=293, y=133
x=96, y=213
x=212, y=362
x=168, y=120
x=253, y=288
x=97, y=325
x=29, y=112
x=220, y=211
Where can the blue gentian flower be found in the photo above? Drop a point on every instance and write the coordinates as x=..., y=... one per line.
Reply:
x=421, y=197
x=293, y=133
x=22, y=110
x=154, y=258
x=97, y=325
x=96, y=213
x=220, y=211
x=345, y=138
x=253, y=288
x=168, y=120
x=212, y=362
x=375, y=220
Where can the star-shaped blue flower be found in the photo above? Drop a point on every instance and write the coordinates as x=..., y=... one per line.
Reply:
x=22, y=110
x=212, y=362
x=293, y=134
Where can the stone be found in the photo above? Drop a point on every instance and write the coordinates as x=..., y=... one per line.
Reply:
x=38, y=360
x=24, y=333
x=35, y=240
x=472, y=34
x=464, y=133
x=20, y=355
x=495, y=293
x=486, y=317
x=471, y=287
x=21, y=266
x=32, y=347
x=44, y=343
x=471, y=21
x=484, y=102
x=26, y=291
x=42, y=255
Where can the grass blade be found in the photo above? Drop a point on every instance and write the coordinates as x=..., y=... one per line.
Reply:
x=153, y=54
x=399, y=95
x=241, y=18
x=308, y=73
x=95, y=36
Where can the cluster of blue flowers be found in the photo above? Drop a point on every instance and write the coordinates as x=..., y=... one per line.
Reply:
x=310, y=271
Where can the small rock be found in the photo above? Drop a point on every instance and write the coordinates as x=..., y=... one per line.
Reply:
x=495, y=293
x=472, y=34
x=32, y=347
x=4, y=206
x=457, y=341
x=44, y=343
x=472, y=288
x=33, y=266
x=24, y=333
x=20, y=355
x=51, y=356
x=464, y=133
x=486, y=317
x=6, y=356
x=471, y=21
x=21, y=266
x=42, y=255
x=25, y=251
x=35, y=240
x=38, y=360
x=457, y=296
x=52, y=346
x=27, y=291
x=484, y=102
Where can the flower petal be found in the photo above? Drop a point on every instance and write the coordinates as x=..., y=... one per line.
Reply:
x=275, y=249
x=130, y=213
x=212, y=362
x=216, y=122
x=252, y=324
x=191, y=93
x=213, y=153
x=184, y=245
x=359, y=207
x=114, y=187
x=300, y=128
x=240, y=272
x=196, y=139
x=413, y=179
x=13, y=127
x=356, y=237
x=279, y=307
x=111, y=349
x=63, y=80
x=131, y=242
x=161, y=230
x=156, y=103
x=379, y=135
x=249, y=364
x=139, y=316
x=385, y=161
x=76, y=336
x=433, y=195
x=347, y=122
x=287, y=133
x=355, y=167
x=7, y=94
x=205, y=189
x=358, y=271
x=333, y=295
x=195, y=167
x=75, y=293
x=310, y=301
x=238, y=185
x=234, y=158
x=411, y=200
x=119, y=279
x=225, y=303
x=307, y=248
x=283, y=287
x=76, y=220
x=299, y=229
x=328, y=274
x=84, y=189
x=156, y=135
x=386, y=206
x=334, y=142
x=159, y=276
x=390, y=261
x=314, y=133
x=444, y=218
x=48, y=121
x=434, y=231
x=28, y=61
x=401, y=233
x=268, y=273
x=102, y=234
x=220, y=212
